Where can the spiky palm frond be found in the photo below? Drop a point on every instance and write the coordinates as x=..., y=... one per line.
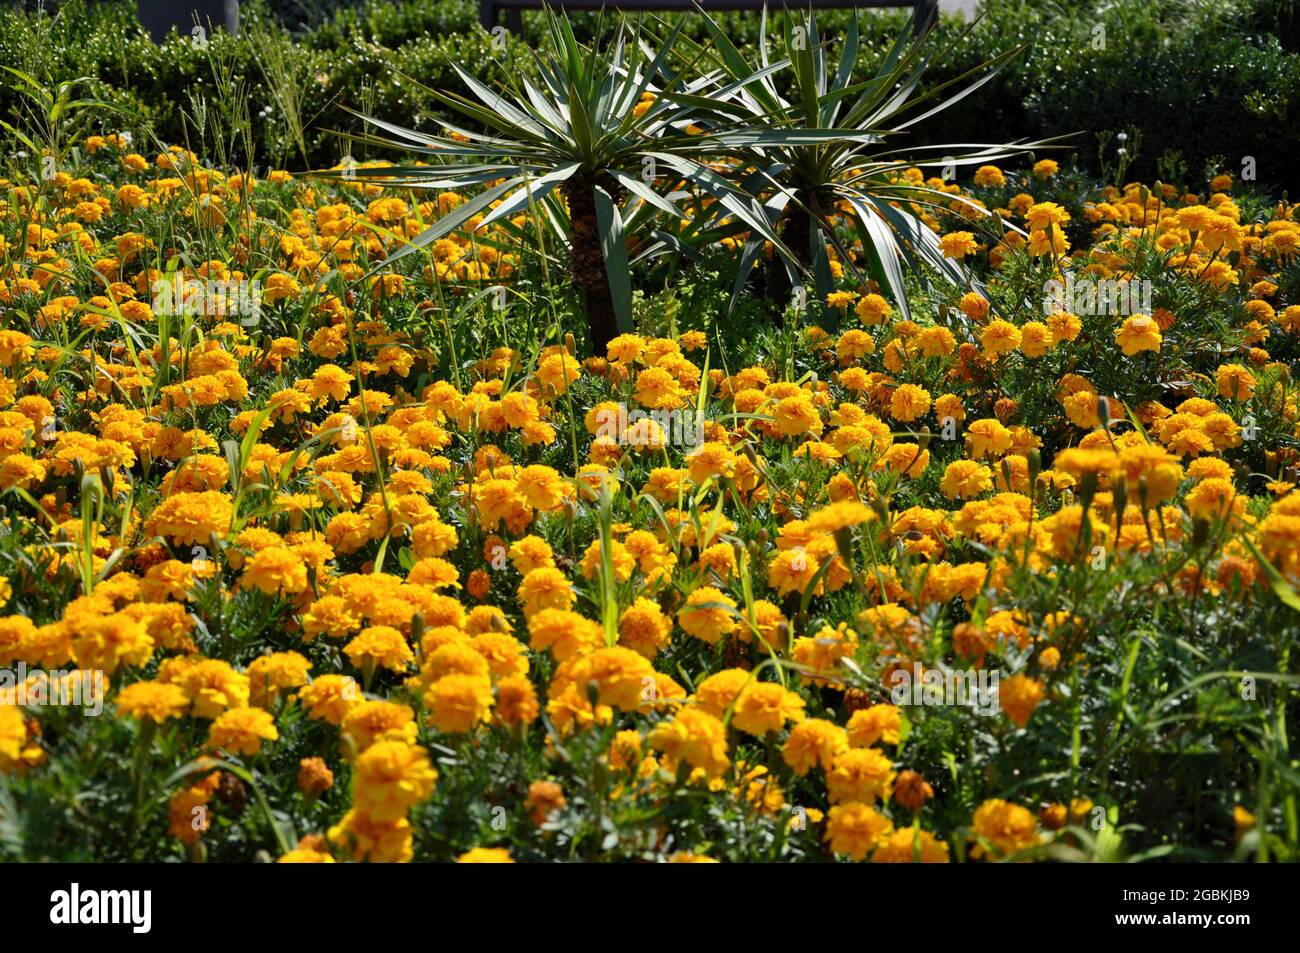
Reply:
x=751, y=121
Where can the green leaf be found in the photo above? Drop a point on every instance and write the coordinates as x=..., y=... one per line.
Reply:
x=1283, y=589
x=613, y=247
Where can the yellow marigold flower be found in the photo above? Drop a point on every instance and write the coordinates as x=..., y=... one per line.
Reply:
x=330, y=616
x=1035, y=339
x=854, y=344
x=911, y=791
x=379, y=646
x=527, y=554
x=909, y=845
x=108, y=642
x=988, y=438
x=708, y=615
x=268, y=675
x=191, y=518
x=1018, y=696
x=1080, y=462
x=1138, y=333
x=625, y=751
x=626, y=348
x=277, y=287
x=1044, y=215
x=909, y=402
x=558, y=372
x=720, y=690
x=242, y=730
x=1003, y=828
x=873, y=309
x=718, y=559
x=13, y=737
x=516, y=702
x=693, y=340
x=564, y=632
x=1235, y=382
x=860, y=774
x=1242, y=819
x=434, y=572
x=459, y=703
x=1189, y=441
x=187, y=810
x=949, y=407
x=154, y=700
x=936, y=342
x=906, y=459
x=766, y=706
x=485, y=855
x=644, y=628
x=276, y=570
x=814, y=743
x=623, y=678
x=839, y=300
x=855, y=829
x=330, y=697
x=621, y=560
x=1213, y=499
x=329, y=383
x=376, y=841
x=545, y=588
x=965, y=479
x=958, y=245
x=822, y=653
x=391, y=777
x=868, y=726
x=1064, y=326
x=711, y=459
x=504, y=653
x=974, y=305
x=1159, y=468
x=839, y=516
x=371, y=720
x=542, y=487
x=693, y=737
x=657, y=389
x=305, y=856
x=797, y=415
x=1049, y=241
x=314, y=777
x=1000, y=337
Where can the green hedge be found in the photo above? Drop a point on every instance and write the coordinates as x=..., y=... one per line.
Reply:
x=356, y=61
x=1201, y=81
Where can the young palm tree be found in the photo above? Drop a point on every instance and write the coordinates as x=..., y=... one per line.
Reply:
x=857, y=171
x=602, y=129
x=610, y=126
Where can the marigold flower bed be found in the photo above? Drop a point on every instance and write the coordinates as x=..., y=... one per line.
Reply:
x=389, y=568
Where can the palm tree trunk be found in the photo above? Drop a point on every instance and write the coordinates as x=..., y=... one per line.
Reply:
x=587, y=262
x=795, y=229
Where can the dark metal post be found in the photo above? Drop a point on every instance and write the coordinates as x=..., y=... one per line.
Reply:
x=924, y=15
x=487, y=14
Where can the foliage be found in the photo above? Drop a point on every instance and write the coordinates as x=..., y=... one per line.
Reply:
x=379, y=525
